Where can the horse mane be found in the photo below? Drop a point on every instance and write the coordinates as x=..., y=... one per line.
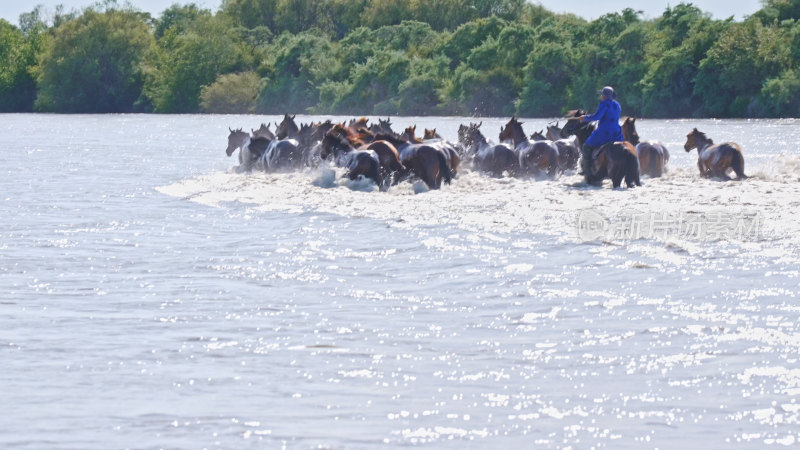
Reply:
x=392, y=137
x=702, y=135
x=343, y=133
x=359, y=123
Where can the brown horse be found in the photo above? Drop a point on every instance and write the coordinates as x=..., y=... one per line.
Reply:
x=715, y=160
x=356, y=124
x=615, y=160
x=362, y=163
x=537, y=157
x=434, y=139
x=287, y=129
x=420, y=159
x=653, y=155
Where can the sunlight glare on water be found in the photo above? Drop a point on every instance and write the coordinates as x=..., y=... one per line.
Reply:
x=156, y=298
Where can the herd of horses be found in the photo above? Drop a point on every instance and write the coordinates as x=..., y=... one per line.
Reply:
x=376, y=152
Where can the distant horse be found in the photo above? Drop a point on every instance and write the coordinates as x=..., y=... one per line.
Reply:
x=362, y=163
x=715, y=160
x=309, y=139
x=653, y=155
x=263, y=131
x=536, y=157
x=383, y=126
x=251, y=150
x=447, y=148
x=615, y=160
x=491, y=159
x=357, y=124
x=287, y=129
x=430, y=134
x=263, y=153
x=420, y=159
x=568, y=152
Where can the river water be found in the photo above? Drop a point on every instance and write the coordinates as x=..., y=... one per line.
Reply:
x=154, y=298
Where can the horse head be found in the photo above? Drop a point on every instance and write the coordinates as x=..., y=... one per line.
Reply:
x=431, y=134
x=409, y=135
x=287, y=128
x=335, y=141
x=538, y=136
x=236, y=139
x=359, y=123
x=263, y=132
x=305, y=135
x=629, y=130
x=512, y=132
x=696, y=139
x=553, y=132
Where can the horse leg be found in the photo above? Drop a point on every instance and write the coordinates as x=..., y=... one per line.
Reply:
x=616, y=173
x=701, y=168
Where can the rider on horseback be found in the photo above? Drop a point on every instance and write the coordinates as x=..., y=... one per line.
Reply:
x=608, y=129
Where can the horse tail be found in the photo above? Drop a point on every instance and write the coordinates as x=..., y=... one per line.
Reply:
x=444, y=167
x=737, y=164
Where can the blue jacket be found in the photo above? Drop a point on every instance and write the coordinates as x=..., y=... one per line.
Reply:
x=608, y=129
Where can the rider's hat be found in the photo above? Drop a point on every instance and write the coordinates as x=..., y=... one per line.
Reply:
x=608, y=91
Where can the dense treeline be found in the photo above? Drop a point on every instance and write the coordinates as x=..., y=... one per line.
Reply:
x=400, y=57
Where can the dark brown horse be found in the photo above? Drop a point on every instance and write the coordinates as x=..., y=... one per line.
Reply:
x=715, y=160
x=383, y=126
x=420, y=159
x=310, y=140
x=451, y=151
x=263, y=131
x=615, y=160
x=363, y=163
x=492, y=159
x=287, y=129
x=537, y=157
x=653, y=155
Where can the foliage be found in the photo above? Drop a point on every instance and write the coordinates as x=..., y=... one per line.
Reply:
x=185, y=60
x=231, y=93
x=94, y=63
x=475, y=57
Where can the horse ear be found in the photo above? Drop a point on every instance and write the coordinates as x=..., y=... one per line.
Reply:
x=294, y=116
x=633, y=119
x=229, y=129
x=479, y=125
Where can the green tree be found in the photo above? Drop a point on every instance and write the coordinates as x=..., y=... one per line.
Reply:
x=371, y=86
x=186, y=60
x=231, y=93
x=17, y=56
x=94, y=64
x=179, y=19
x=736, y=67
x=251, y=13
x=295, y=68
